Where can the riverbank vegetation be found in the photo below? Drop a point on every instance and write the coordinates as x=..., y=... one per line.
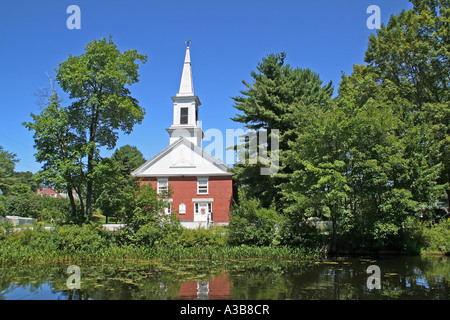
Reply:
x=362, y=169
x=371, y=160
x=89, y=242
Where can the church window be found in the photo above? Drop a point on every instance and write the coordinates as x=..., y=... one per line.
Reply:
x=184, y=115
x=202, y=185
x=163, y=185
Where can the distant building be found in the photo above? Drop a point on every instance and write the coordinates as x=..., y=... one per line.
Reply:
x=201, y=184
x=49, y=192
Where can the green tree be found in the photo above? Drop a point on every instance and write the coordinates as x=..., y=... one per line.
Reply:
x=59, y=151
x=2, y=207
x=109, y=190
x=97, y=83
x=410, y=58
x=7, y=164
x=128, y=158
x=24, y=205
x=147, y=220
x=252, y=224
x=114, y=186
x=270, y=102
x=27, y=178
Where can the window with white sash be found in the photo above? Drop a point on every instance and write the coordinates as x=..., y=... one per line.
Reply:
x=163, y=185
x=202, y=185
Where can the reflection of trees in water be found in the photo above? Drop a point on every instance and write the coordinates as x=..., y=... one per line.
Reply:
x=401, y=278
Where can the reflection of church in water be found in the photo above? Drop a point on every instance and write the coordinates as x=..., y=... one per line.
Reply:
x=218, y=287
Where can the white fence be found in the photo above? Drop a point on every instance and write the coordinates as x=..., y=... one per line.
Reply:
x=18, y=221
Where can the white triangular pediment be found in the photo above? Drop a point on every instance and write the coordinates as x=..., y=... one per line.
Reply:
x=182, y=163
x=182, y=158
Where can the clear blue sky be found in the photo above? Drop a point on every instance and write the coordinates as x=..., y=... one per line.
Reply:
x=228, y=38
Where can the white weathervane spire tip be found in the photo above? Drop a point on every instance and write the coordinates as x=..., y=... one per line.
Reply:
x=186, y=85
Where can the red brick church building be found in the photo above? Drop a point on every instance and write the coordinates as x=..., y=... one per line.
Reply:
x=201, y=184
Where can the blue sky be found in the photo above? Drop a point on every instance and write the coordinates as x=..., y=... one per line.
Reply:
x=228, y=38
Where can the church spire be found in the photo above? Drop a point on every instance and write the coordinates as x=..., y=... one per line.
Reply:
x=185, y=108
x=186, y=84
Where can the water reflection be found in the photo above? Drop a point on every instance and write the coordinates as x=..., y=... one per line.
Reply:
x=341, y=279
x=218, y=287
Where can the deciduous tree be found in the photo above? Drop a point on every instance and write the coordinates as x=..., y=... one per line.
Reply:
x=101, y=105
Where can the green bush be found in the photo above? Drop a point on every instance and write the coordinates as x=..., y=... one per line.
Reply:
x=149, y=234
x=36, y=238
x=2, y=206
x=56, y=209
x=31, y=205
x=252, y=224
x=201, y=237
x=23, y=205
x=149, y=226
x=426, y=237
x=75, y=238
x=436, y=236
x=162, y=231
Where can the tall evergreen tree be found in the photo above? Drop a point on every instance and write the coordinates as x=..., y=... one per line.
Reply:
x=271, y=102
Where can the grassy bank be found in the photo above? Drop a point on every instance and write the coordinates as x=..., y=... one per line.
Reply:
x=434, y=238
x=90, y=243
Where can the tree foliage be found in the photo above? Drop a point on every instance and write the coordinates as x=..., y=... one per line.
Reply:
x=273, y=101
x=7, y=164
x=59, y=150
x=68, y=139
x=376, y=156
x=410, y=58
x=114, y=186
x=252, y=224
x=148, y=222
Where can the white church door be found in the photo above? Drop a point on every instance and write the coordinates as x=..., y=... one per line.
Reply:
x=202, y=212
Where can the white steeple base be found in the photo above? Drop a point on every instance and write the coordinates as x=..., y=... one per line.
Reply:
x=191, y=133
x=185, y=109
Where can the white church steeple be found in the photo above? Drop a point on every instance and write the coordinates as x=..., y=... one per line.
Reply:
x=185, y=107
x=186, y=84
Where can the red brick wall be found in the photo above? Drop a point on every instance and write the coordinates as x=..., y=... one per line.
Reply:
x=185, y=188
x=219, y=288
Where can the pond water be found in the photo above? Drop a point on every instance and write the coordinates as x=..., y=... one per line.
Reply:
x=335, y=279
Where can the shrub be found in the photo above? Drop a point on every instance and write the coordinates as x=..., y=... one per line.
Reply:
x=149, y=225
x=252, y=224
x=36, y=238
x=75, y=238
x=23, y=205
x=426, y=237
x=201, y=237
x=436, y=236
x=57, y=209
x=2, y=206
